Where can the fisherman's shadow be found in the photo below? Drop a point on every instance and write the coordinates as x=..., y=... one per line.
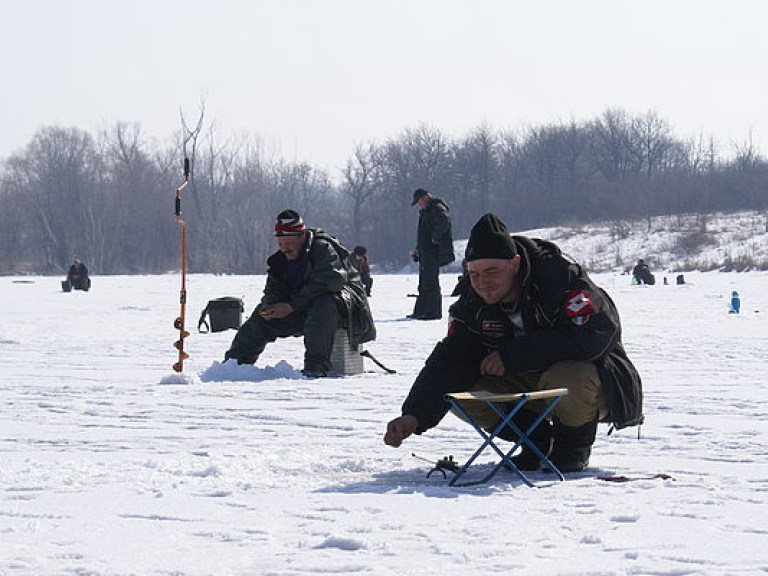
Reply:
x=415, y=481
x=412, y=481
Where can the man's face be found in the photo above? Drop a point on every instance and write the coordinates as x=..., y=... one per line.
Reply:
x=494, y=279
x=422, y=202
x=291, y=245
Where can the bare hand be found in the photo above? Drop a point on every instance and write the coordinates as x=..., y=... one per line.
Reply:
x=275, y=311
x=399, y=429
x=492, y=365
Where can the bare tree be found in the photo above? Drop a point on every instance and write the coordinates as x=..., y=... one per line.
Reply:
x=476, y=166
x=15, y=253
x=109, y=200
x=612, y=144
x=651, y=142
x=362, y=179
x=59, y=169
x=135, y=223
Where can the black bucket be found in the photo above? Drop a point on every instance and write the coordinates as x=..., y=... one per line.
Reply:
x=224, y=313
x=66, y=286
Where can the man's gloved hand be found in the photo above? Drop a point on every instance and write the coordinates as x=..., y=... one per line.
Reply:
x=274, y=311
x=399, y=429
x=492, y=365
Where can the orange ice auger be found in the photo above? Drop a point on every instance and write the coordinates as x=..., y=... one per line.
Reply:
x=179, y=322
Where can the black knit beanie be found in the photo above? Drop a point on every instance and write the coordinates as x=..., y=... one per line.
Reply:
x=490, y=239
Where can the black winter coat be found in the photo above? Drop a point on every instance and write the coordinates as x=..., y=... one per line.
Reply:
x=434, y=235
x=565, y=316
x=329, y=268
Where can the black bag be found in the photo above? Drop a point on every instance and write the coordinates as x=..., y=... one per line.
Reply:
x=225, y=313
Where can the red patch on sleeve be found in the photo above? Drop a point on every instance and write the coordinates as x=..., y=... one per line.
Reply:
x=456, y=326
x=578, y=304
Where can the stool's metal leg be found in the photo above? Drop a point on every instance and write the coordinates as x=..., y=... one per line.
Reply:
x=488, y=441
x=506, y=459
x=468, y=463
x=545, y=459
x=525, y=437
x=506, y=421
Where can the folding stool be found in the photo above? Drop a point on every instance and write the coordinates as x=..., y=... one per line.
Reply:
x=497, y=403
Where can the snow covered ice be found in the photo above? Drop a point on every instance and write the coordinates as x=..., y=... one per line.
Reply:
x=112, y=464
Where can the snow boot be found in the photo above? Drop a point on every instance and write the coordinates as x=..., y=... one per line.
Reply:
x=573, y=446
x=314, y=373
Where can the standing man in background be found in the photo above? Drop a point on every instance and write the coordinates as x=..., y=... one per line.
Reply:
x=434, y=249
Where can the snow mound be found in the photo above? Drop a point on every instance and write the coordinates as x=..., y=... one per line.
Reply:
x=231, y=371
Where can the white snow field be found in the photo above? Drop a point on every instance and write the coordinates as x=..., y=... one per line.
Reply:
x=112, y=464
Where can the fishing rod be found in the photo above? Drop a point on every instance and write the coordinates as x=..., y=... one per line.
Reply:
x=179, y=322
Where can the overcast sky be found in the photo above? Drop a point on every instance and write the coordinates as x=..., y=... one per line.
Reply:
x=313, y=78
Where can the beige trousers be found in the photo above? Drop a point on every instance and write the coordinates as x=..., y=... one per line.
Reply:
x=584, y=403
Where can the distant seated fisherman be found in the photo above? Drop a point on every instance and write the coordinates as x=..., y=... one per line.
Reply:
x=78, y=276
x=312, y=290
x=531, y=320
x=642, y=273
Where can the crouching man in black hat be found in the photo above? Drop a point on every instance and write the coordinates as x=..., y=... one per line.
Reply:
x=312, y=289
x=532, y=320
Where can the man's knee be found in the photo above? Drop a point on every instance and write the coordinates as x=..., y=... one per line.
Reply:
x=250, y=340
x=480, y=412
x=483, y=416
x=324, y=312
x=585, y=401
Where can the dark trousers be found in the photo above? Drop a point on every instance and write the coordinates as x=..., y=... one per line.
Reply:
x=429, y=303
x=80, y=282
x=368, y=283
x=586, y=401
x=318, y=326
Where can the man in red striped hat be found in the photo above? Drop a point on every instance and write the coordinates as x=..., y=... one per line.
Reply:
x=312, y=290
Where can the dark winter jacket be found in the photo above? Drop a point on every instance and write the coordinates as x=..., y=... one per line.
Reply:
x=362, y=266
x=78, y=276
x=434, y=236
x=565, y=317
x=643, y=275
x=328, y=268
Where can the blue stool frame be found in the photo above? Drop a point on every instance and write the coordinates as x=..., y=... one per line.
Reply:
x=519, y=401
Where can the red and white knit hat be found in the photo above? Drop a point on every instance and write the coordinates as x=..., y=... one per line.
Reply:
x=289, y=223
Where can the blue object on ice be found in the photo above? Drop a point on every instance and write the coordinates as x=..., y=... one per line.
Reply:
x=735, y=303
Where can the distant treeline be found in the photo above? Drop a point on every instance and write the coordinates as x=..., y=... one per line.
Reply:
x=108, y=199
